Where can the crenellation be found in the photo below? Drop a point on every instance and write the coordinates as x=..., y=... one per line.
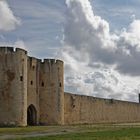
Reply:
x=52, y=61
x=19, y=50
x=59, y=62
x=6, y=50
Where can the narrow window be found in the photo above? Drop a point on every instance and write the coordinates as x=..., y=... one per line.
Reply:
x=31, y=82
x=60, y=84
x=42, y=84
x=33, y=67
x=73, y=106
x=21, y=78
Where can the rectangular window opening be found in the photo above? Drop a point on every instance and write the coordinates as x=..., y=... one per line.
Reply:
x=21, y=78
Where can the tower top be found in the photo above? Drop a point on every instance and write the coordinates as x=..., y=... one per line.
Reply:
x=7, y=49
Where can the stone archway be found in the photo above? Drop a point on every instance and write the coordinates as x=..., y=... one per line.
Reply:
x=31, y=115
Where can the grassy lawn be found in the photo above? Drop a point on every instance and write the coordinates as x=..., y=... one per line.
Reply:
x=122, y=134
x=80, y=132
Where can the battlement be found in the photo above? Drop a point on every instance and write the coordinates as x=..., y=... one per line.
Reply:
x=44, y=61
x=21, y=50
x=95, y=99
x=6, y=49
x=31, y=59
x=52, y=61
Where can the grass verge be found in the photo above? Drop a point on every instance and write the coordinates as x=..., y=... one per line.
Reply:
x=80, y=132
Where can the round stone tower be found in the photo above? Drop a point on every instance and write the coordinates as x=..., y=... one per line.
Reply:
x=13, y=86
x=51, y=92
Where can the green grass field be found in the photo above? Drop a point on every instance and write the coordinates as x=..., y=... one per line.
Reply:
x=79, y=132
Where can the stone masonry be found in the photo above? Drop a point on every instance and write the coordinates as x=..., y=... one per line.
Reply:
x=32, y=93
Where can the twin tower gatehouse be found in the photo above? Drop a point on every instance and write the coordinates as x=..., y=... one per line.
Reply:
x=31, y=91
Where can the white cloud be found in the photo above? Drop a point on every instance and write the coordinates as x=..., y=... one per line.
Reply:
x=20, y=44
x=92, y=51
x=7, y=20
x=16, y=44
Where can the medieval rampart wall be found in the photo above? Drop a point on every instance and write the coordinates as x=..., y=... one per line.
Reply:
x=87, y=110
x=26, y=81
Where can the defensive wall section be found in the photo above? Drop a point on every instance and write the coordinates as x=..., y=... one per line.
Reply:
x=32, y=93
x=81, y=109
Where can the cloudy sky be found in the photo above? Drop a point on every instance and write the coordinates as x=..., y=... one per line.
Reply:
x=99, y=41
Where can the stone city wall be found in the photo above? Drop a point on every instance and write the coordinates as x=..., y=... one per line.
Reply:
x=81, y=109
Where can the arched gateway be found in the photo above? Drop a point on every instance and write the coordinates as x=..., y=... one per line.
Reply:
x=31, y=115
